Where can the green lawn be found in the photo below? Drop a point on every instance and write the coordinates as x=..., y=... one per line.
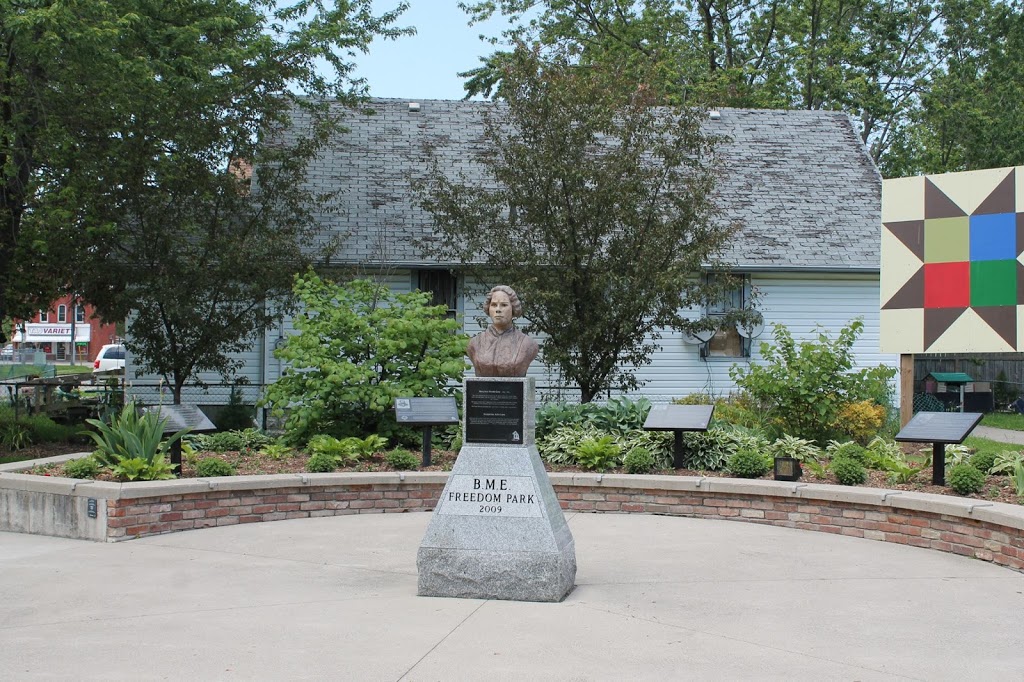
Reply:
x=87, y=368
x=985, y=445
x=1004, y=420
x=14, y=371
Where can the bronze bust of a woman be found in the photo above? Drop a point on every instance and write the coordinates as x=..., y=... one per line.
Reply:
x=502, y=350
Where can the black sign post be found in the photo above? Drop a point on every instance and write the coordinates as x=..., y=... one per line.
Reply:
x=679, y=418
x=426, y=412
x=494, y=412
x=181, y=417
x=939, y=429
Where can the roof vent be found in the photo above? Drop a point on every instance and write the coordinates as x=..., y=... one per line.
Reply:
x=414, y=107
x=715, y=115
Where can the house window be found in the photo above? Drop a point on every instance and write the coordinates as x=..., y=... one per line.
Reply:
x=44, y=316
x=62, y=313
x=79, y=313
x=727, y=342
x=441, y=285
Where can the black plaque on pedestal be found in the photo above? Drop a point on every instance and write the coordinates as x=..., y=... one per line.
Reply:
x=939, y=429
x=679, y=418
x=426, y=412
x=494, y=412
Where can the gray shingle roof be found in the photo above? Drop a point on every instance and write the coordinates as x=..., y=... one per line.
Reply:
x=800, y=182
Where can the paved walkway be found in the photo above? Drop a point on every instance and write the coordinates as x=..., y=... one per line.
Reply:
x=1001, y=435
x=657, y=598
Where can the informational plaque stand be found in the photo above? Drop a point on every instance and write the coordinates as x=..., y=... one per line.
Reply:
x=428, y=413
x=940, y=429
x=498, y=531
x=679, y=419
x=181, y=417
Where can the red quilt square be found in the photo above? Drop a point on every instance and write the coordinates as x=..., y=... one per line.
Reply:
x=947, y=285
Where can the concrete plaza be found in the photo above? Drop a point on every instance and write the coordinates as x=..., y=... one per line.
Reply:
x=657, y=598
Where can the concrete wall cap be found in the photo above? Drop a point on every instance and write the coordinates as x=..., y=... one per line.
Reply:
x=28, y=464
x=1002, y=514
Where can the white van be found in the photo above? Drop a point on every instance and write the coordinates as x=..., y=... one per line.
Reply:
x=111, y=356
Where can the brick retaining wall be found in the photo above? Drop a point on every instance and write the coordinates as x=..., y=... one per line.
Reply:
x=984, y=530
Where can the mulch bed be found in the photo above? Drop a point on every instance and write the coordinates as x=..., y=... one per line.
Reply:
x=997, y=488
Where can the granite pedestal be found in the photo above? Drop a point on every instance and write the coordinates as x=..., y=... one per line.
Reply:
x=498, y=531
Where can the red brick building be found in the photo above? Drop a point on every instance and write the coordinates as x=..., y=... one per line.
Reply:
x=51, y=331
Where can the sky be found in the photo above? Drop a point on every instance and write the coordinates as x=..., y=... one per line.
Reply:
x=424, y=66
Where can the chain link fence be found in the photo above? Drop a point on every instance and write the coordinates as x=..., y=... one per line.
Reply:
x=212, y=399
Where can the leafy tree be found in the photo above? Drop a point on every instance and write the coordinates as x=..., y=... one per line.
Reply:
x=359, y=347
x=595, y=206
x=967, y=119
x=870, y=58
x=127, y=133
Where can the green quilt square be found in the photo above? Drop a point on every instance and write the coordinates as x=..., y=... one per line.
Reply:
x=947, y=240
x=993, y=282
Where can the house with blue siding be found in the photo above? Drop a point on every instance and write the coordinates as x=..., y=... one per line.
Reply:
x=800, y=184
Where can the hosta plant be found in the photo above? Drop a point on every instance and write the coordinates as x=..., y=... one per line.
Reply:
x=1006, y=462
x=791, y=446
x=139, y=469
x=598, y=453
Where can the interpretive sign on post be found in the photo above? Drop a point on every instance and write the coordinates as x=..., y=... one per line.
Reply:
x=679, y=419
x=426, y=412
x=181, y=417
x=939, y=429
x=494, y=412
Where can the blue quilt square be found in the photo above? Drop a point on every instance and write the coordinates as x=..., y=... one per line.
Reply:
x=994, y=237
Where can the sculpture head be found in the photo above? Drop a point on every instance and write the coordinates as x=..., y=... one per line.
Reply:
x=502, y=305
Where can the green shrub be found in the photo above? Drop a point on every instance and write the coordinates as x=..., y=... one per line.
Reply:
x=639, y=461
x=806, y=385
x=964, y=479
x=236, y=415
x=598, y=453
x=209, y=467
x=983, y=461
x=849, y=471
x=45, y=430
x=85, y=467
x=748, y=463
x=403, y=460
x=321, y=462
x=358, y=347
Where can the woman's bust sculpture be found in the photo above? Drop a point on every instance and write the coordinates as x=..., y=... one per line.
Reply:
x=502, y=350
